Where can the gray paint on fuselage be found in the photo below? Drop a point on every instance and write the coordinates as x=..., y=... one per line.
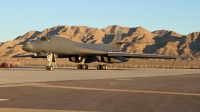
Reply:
x=62, y=45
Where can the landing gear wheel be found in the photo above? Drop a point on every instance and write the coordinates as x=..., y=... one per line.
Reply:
x=102, y=67
x=85, y=66
x=82, y=66
x=49, y=68
x=79, y=66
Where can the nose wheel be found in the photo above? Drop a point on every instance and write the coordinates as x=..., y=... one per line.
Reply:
x=49, y=68
x=82, y=66
x=50, y=58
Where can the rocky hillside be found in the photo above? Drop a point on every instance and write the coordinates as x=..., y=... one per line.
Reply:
x=142, y=41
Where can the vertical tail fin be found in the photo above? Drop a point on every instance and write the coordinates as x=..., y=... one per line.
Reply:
x=116, y=42
x=118, y=36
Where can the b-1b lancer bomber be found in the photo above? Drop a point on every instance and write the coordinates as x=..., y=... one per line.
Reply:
x=52, y=47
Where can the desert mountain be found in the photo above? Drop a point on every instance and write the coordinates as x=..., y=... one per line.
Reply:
x=142, y=41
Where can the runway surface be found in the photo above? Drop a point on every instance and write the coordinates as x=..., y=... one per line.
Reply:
x=32, y=89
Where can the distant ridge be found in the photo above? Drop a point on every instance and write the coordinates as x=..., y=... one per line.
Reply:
x=143, y=41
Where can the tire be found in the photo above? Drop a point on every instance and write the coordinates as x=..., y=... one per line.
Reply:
x=102, y=67
x=49, y=68
x=105, y=67
x=79, y=66
x=84, y=66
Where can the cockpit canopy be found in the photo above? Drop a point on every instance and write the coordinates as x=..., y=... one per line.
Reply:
x=45, y=38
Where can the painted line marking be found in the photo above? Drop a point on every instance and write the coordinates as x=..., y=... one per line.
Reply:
x=3, y=99
x=109, y=90
x=36, y=110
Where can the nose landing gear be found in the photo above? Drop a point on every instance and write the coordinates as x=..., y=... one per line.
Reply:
x=50, y=58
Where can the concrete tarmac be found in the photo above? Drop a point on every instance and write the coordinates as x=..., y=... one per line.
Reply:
x=32, y=89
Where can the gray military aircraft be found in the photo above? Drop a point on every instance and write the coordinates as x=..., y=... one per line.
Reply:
x=52, y=47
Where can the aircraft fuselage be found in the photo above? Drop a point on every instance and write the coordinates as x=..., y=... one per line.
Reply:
x=65, y=46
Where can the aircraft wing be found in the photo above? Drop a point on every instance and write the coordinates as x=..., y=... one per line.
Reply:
x=123, y=54
x=137, y=55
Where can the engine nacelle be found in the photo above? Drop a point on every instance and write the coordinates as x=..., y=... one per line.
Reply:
x=78, y=59
x=113, y=59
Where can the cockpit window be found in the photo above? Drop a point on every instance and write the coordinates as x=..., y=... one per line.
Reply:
x=40, y=39
x=33, y=41
x=45, y=39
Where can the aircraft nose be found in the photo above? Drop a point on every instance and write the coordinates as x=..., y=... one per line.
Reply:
x=27, y=47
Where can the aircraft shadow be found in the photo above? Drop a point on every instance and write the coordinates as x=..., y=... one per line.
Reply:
x=63, y=68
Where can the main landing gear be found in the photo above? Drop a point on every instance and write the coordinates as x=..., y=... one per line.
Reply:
x=85, y=67
x=102, y=67
x=82, y=66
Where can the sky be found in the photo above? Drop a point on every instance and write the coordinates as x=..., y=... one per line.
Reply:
x=18, y=17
